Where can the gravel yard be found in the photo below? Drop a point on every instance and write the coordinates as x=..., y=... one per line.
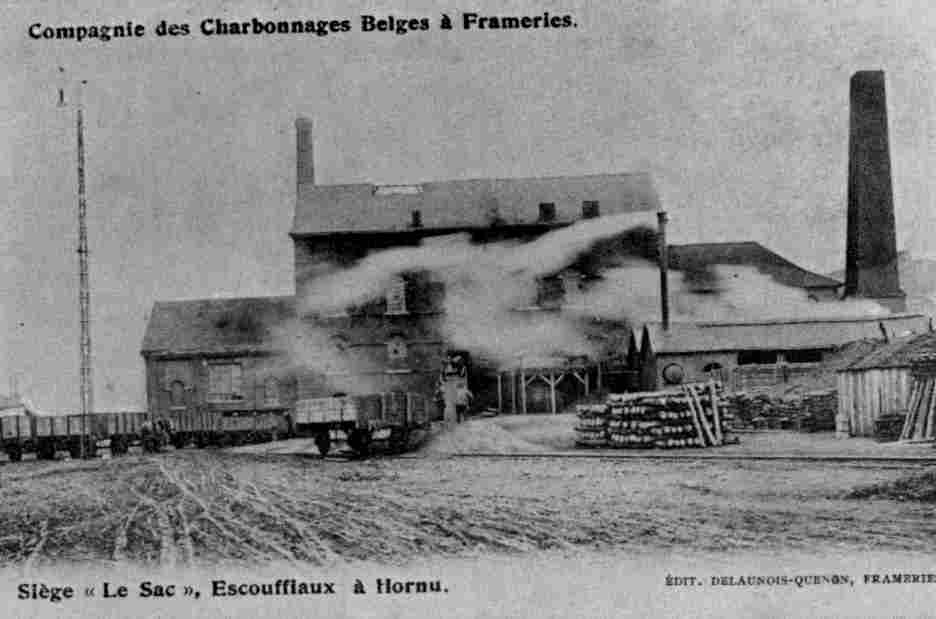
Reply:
x=213, y=507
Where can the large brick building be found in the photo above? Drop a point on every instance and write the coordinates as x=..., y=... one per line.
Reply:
x=267, y=353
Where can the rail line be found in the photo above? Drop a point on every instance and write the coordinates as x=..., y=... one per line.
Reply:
x=894, y=460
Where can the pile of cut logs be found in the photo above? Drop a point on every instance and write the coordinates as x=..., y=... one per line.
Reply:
x=810, y=412
x=689, y=417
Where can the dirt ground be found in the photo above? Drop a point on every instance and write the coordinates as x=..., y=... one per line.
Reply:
x=213, y=507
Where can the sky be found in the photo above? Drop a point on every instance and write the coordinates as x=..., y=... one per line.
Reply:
x=738, y=110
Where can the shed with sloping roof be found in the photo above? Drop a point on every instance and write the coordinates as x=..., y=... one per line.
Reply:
x=878, y=384
x=752, y=354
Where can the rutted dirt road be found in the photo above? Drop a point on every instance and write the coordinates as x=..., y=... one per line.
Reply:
x=208, y=507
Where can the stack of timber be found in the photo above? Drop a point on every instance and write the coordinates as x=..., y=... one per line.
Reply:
x=689, y=417
x=591, y=429
x=818, y=411
x=810, y=412
x=888, y=428
x=920, y=422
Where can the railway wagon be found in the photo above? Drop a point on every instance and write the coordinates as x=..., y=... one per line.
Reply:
x=45, y=435
x=16, y=436
x=392, y=420
x=224, y=428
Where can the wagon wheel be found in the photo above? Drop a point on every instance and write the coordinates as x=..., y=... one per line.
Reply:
x=399, y=440
x=359, y=441
x=118, y=445
x=150, y=443
x=323, y=443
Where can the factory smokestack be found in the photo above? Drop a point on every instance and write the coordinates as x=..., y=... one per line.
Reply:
x=305, y=159
x=871, y=246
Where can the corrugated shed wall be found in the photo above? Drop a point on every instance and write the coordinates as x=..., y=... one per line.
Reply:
x=866, y=395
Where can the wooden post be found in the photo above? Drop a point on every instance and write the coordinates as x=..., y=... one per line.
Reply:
x=923, y=409
x=716, y=413
x=911, y=410
x=523, y=386
x=500, y=395
x=694, y=416
x=552, y=392
x=928, y=422
x=513, y=391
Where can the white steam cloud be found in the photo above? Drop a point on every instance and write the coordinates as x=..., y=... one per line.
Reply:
x=486, y=284
x=740, y=293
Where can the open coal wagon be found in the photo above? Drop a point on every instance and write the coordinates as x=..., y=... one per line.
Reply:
x=48, y=435
x=393, y=421
x=205, y=428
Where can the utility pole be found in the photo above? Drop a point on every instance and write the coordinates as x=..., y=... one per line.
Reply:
x=84, y=288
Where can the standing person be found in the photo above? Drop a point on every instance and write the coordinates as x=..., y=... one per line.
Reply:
x=462, y=401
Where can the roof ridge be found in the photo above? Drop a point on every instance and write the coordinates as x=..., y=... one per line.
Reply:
x=224, y=299
x=484, y=179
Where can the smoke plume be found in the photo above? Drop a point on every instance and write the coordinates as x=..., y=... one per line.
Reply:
x=485, y=285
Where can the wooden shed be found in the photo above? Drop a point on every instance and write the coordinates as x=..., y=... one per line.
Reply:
x=877, y=384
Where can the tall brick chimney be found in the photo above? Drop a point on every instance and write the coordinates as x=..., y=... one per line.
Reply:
x=871, y=246
x=305, y=160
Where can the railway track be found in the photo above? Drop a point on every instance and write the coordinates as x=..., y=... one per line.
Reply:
x=901, y=460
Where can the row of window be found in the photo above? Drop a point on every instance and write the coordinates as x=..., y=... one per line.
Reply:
x=674, y=374
x=224, y=385
x=225, y=379
x=771, y=357
x=550, y=292
x=547, y=210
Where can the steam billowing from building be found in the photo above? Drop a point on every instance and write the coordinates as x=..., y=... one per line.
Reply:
x=486, y=285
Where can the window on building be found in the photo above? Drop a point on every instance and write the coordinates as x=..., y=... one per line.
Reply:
x=547, y=211
x=224, y=382
x=396, y=348
x=574, y=287
x=271, y=394
x=674, y=374
x=808, y=355
x=550, y=292
x=177, y=394
x=758, y=357
x=590, y=209
x=396, y=296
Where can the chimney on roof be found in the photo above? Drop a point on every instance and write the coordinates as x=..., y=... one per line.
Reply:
x=305, y=160
x=871, y=245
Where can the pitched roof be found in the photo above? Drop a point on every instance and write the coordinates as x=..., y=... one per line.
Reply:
x=324, y=209
x=234, y=325
x=705, y=255
x=778, y=334
x=895, y=354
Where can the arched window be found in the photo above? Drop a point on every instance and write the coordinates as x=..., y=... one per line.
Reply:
x=673, y=374
x=271, y=395
x=177, y=393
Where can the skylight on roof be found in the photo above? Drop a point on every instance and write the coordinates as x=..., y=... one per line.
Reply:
x=397, y=190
